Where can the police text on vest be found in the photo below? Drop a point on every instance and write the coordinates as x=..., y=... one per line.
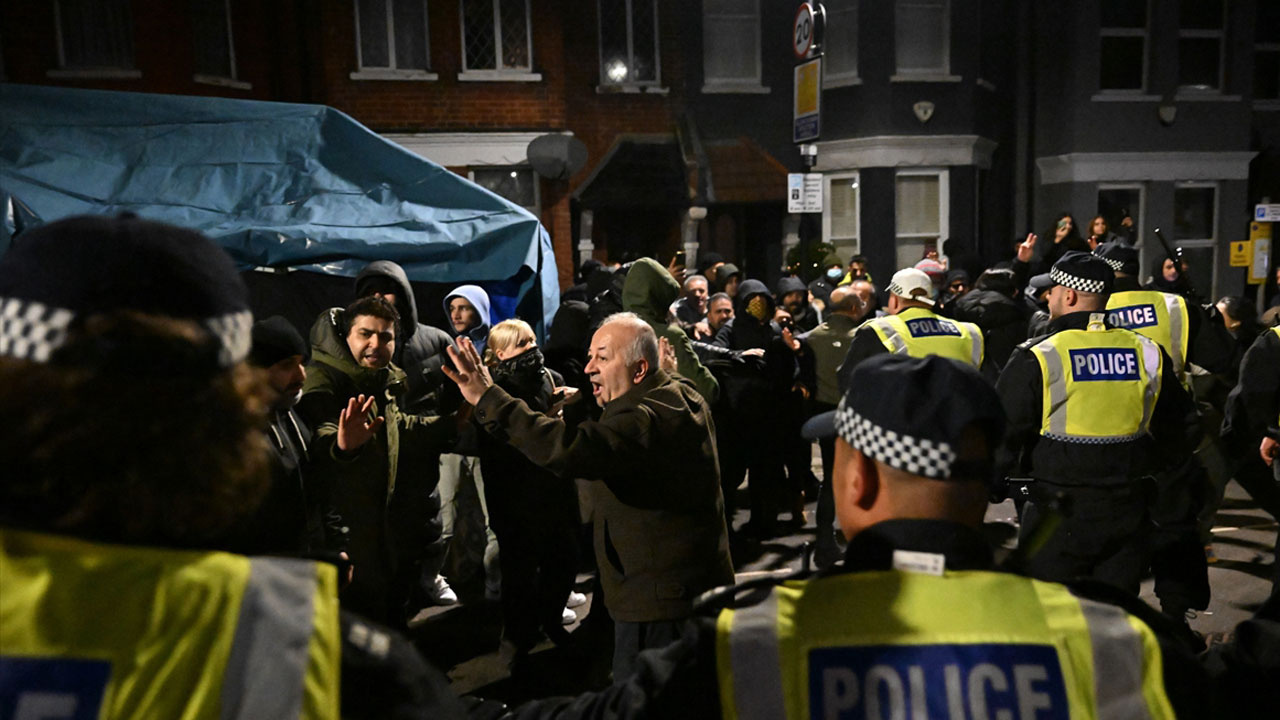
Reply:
x=1104, y=364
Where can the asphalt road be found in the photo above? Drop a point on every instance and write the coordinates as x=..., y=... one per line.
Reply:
x=465, y=640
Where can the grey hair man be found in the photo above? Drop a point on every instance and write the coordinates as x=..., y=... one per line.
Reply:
x=659, y=532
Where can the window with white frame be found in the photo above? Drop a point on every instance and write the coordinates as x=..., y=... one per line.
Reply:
x=94, y=35
x=1266, y=68
x=922, y=37
x=840, y=213
x=518, y=184
x=920, y=213
x=1200, y=46
x=497, y=36
x=731, y=45
x=841, y=42
x=629, y=42
x=1195, y=211
x=214, y=46
x=392, y=39
x=1122, y=59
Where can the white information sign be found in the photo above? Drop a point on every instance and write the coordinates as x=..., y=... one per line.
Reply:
x=804, y=192
x=1267, y=213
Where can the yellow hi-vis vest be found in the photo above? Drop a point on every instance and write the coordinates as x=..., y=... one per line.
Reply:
x=919, y=333
x=1100, y=385
x=90, y=630
x=966, y=644
x=1160, y=316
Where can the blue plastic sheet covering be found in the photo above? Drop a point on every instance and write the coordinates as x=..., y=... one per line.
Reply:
x=277, y=185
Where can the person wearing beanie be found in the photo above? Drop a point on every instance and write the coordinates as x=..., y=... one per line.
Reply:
x=913, y=328
x=832, y=272
x=296, y=517
x=1093, y=410
x=918, y=620
x=132, y=448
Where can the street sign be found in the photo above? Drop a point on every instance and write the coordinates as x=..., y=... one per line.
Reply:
x=813, y=192
x=1260, y=240
x=1241, y=253
x=804, y=192
x=795, y=192
x=802, y=31
x=807, y=105
x=1267, y=213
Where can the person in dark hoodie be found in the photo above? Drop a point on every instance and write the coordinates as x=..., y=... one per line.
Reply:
x=793, y=296
x=752, y=394
x=420, y=353
x=648, y=292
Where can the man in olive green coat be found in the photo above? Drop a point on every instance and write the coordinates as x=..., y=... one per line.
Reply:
x=382, y=464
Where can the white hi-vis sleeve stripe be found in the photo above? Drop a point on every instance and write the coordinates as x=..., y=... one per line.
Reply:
x=898, y=346
x=1057, y=384
x=978, y=341
x=757, y=666
x=1174, y=309
x=269, y=654
x=1117, y=662
x=1151, y=363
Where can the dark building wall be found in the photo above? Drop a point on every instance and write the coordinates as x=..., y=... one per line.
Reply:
x=877, y=223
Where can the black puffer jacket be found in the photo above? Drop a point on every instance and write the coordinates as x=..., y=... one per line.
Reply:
x=755, y=388
x=1003, y=321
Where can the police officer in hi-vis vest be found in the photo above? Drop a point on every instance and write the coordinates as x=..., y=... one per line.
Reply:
x=1094, y=412
x=1189, y=333
x=913, y=328
x=132, y=442
x=916, y=621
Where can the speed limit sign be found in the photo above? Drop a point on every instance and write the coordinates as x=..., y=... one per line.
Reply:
x=802, y=32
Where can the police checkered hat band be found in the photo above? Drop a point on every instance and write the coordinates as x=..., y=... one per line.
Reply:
x=911, y=414
x=914, y=455
x=1119, y=255
x=1083, y=272
x=55, y=275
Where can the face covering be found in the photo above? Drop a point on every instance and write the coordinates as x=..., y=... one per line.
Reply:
x=758, y=308
x=835, y=274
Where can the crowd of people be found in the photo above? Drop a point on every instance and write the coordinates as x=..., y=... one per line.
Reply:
x=264, y=515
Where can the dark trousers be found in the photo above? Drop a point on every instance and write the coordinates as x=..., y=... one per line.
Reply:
x=1177, y=555
x=539, y=563
x=631, y=638
x=1104, y=537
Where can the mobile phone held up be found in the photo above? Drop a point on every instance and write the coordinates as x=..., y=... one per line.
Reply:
x=679, y=259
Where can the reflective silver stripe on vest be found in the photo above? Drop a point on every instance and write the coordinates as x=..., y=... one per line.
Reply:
x=1174, y=309
x=897, y=345
x=1151, y=362
x=270, y=651
x=757, y=666
x=976, y=334
x=1117, y=662
x=1057, y=384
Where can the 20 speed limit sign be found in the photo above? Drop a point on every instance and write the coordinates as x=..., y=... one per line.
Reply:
x=802, y=32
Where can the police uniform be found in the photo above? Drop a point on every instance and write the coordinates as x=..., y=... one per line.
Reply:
x=916, y=621
x=1092, y=410
x=1188, y=334
x=914, y=331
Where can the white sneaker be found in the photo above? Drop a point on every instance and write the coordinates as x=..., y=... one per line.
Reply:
x=576, y=599
x=568, y=617
x=440, y=593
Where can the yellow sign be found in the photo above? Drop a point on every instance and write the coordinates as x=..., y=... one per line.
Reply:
x=1240, y=253
x=807, y=89
x=1260, y=255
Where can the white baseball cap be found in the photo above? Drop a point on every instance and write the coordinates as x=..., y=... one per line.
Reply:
x=911, y=284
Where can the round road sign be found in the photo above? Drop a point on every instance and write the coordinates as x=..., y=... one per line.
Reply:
x=802, y=31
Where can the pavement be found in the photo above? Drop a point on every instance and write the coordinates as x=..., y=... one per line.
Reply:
x=465, y=640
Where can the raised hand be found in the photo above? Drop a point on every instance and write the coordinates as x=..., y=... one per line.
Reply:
x=666, y=356
x=468, y=371
x=1026, y=248
x=354, y=426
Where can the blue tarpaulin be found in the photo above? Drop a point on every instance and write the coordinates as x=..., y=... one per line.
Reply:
x=277, y=185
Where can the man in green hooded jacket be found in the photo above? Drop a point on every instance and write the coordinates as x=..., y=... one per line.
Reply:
x=648, y=292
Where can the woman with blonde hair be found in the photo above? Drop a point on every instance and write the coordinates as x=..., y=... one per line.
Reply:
x=533, y=512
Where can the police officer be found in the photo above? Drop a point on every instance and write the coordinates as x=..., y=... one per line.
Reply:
x=132, y=443
x=913, y=328
x=916, y=621
x=1189, y=334
x=1092, y=411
